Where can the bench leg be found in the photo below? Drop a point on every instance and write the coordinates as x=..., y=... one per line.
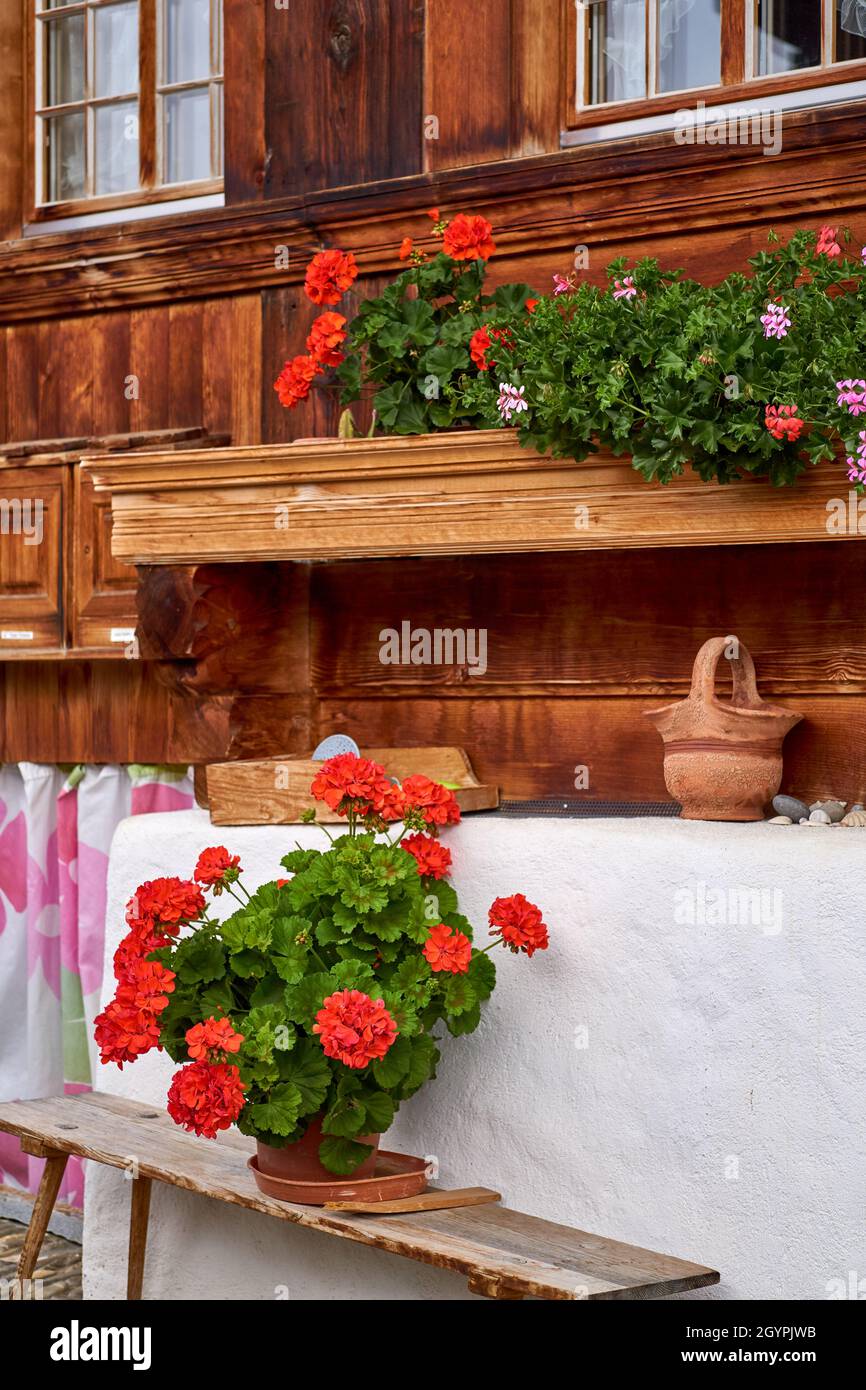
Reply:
x=138, y=1213
x=52, y=1176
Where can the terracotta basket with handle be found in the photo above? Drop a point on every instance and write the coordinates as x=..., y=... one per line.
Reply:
x=723, y=758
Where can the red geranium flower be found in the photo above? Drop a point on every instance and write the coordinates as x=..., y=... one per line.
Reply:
x=204, y=1098
x=388, y=801
x=346, y=777
x=294, y=381
x=216, y=866
x=164, y=902
x=327, y=335
x=448, y=949
x=783, y=422
x=468, y=239
x=437, y=804
x=479, y=346
x=133, y=947
x=519, y=924
x=530, y=305
x=354, y=1028
x=329, y=275
x=405, y=248
x=432, y=858
x=214, y=1036
x=123, y=1032
x=146, y=985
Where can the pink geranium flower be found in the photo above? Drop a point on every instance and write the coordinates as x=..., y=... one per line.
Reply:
x=827, y=243
x=625, y=288
x=775, y=320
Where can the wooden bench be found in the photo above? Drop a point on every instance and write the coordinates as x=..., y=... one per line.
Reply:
x=504, y=1254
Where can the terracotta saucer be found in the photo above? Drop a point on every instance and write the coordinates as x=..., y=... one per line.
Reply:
x=396, y=1175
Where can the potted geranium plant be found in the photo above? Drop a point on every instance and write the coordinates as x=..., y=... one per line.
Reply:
x=760, y=375
x=311, y=1012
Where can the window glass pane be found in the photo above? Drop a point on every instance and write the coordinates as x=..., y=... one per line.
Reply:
x=116, y=147
x=690, y=44
x=54, y=4
x=116, y=40
x=616, y=56
x=218, y=129
x=64, y=59
x=789, y=35
x=187, y=136
x=187, y=40
x=850, y=30
x=64, y=156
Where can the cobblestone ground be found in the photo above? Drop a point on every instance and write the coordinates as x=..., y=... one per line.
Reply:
x=59, y=1264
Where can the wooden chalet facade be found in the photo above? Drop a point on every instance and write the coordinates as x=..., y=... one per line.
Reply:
x=344, y=121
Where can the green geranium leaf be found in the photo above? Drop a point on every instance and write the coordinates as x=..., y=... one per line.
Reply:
x=304, y=999
x=307, y=1068
x=346, y=1118
x=342, y=1156
x=459, y=995
x=249, y=964
x=482, y=973
x=464, y=1022
x=422, y=1064
x=280, y=1112
x=389, y=1070
x=380, y=1112
x=353, y=974
x=199, y=959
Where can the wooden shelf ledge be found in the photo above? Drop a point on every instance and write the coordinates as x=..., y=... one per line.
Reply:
x=503, y=1253
x=468, y=493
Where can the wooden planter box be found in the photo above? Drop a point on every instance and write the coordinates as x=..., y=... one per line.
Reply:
x=472, y=492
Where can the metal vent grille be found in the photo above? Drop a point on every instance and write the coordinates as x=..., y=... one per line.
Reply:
x=583, y=810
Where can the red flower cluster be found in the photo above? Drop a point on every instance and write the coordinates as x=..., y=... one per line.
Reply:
x=481, y=342
x=448, y=949
x=216, y=867
x=210, y=1040
x=329, y=275
x=327, y=335
x=783, y=422
x=294, y=381
x=468, y=239
x=433, y=859
x=167, y=902
x=519, y=924
x=354, y=1028
x=129, y=1024
x=348, y=783
x=405, y=248
x=437, y=804
x=205, y=1099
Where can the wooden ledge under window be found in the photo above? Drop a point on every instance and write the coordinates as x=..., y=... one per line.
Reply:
x=469, y=493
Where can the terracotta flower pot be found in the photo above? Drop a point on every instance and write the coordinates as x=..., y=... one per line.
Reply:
x=300, y=1161
x=723, y=758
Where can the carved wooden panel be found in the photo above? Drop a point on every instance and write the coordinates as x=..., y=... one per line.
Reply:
x=33, y=507
x=103, y=609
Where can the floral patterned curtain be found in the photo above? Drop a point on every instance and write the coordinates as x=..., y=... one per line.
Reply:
x=56, y=827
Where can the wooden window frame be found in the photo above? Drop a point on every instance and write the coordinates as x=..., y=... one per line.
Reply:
x=150, y=95
x=735, y=85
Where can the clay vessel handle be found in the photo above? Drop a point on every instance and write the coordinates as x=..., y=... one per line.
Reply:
x=745, y=688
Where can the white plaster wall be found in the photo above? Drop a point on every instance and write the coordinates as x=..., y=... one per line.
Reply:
x=699, y=1089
